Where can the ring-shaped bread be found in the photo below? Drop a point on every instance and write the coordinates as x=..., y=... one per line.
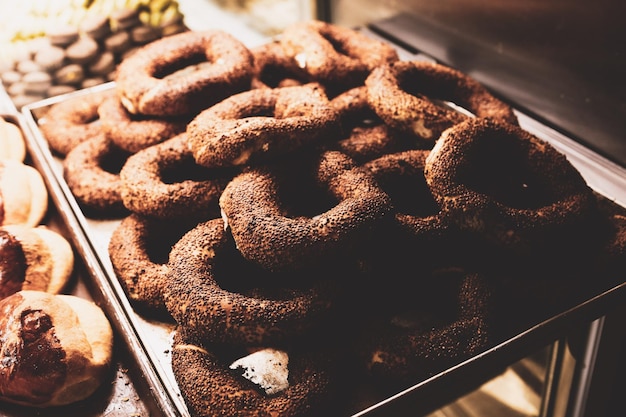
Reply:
x=265, y=230
x=131, y=132
x=422, y=334
x=353, y=108
x=419, y=222
x=334, y=55
x=241, y=307
x=273, y=68
x=139, y=250
x=261, y=124
x=183, y=73
x=163, y=181
x=92, y=172
x=364, y=136
x=57, y=350
x=365, y=143
x=14, y=265
x=508, y=186
x=70, y=122
x=407, y=95
x=211, y=389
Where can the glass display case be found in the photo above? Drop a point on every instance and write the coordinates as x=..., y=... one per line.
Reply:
x=565, y=86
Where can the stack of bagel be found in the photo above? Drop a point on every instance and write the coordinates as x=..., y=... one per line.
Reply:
x=316, y=203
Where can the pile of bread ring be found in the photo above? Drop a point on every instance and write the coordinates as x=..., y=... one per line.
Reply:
x=56, y=348
x=316, y=201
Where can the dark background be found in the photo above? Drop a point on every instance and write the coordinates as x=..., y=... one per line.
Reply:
x=561, y=61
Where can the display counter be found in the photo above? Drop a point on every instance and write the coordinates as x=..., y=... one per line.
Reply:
x=145, y=384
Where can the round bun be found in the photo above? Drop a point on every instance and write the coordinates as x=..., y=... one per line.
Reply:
x=57, y=348
x=12, y=145
x=49, y=257
x=13, y=265
x=24, y=194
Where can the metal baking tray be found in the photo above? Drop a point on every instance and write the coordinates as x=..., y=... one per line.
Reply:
x=149, y=341
x=90, y=239
x=122, y=392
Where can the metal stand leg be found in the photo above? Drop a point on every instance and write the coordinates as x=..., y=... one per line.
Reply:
x=552, y=379
x=569, y=372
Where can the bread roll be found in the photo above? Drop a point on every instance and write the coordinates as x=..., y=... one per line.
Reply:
x=56, y=349
x=12, y=145
x=23, y=194
x=48, y=256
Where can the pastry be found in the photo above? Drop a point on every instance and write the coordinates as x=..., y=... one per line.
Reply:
x=12, y=145
x=24, y=194
x=48, y=258
x=56, y=349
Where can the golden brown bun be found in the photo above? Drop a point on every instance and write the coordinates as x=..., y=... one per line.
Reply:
x=24, y=194
x=56, y=348
x=49, y=257
x=12, y=145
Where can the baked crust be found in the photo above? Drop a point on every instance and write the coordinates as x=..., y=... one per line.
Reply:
x=24, y=194
x=56, y=349
x=12, y=145
x=49, y=258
